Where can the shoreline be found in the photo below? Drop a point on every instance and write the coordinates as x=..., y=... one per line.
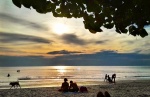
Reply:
x=126, y=88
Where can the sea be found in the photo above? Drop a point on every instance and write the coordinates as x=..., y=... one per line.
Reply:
x=52, y=76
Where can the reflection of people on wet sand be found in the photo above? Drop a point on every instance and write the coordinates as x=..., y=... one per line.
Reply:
x=64, y=86
x=73, y=87
x=105, y=77
x=114, y=77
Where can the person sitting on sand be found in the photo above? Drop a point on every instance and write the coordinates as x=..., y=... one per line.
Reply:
x=64, y=86
x=73, y=87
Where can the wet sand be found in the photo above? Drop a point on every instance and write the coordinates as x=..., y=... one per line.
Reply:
x=134, y=88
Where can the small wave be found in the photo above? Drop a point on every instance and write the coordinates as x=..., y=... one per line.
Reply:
x=36, y=78
x=136, y=76
x=24, y=78
x=52, y=78
x=141, y=76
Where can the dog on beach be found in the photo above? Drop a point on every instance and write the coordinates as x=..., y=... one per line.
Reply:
x=14, y=84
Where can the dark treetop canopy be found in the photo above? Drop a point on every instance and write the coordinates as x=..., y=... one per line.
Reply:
x=125, y=15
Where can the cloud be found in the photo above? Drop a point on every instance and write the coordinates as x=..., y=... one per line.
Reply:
x=102, y=58
x=107, y=52
x=10, y=18
x=105, y=58
x=130, y=42
x=10, y=50
x=73, y=39
x=22, y=60
x=4, y=49
x=63, y=52
x=11, y=37
x=101, y=42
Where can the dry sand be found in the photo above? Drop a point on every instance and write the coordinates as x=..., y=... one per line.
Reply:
x=135, y=88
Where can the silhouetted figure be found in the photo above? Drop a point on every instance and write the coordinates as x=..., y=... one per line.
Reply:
x=100, y=94
x=14, y=84
x=83, y=89
x=73, y=87
x=8, y=75
x=105, y=77
x=107, y=94
x=64, y=86
x=114, y=77
x=18, y=70
x=109, y=79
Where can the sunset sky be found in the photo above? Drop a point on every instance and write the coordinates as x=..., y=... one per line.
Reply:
x=29, y=38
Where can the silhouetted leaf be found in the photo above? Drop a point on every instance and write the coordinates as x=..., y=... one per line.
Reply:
x=134, y=33
x=27, y=3
x=17, y=3
x=108, y=26
x=143, y=33
x=132, y=28
x=92, y=31
x=124, y=30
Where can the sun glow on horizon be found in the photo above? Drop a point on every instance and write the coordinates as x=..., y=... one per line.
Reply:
x=60, y=69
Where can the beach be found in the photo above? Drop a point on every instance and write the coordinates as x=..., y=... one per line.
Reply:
x=126, y=88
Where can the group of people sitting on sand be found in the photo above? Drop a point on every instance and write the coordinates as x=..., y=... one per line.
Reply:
x=110, y=79
x=65, y=87
x=73, y=87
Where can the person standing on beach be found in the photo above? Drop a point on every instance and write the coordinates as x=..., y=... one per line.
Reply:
x=8, y=75
x=64, y=86
x=105, y=78
x=114, y=77
x=73, y=87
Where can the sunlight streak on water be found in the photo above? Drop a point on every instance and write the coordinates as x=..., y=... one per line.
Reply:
x=47, y=76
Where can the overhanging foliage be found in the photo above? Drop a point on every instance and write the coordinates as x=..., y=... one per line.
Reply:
x=125, y=15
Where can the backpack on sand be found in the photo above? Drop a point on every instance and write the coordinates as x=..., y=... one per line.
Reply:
x=83, y=89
